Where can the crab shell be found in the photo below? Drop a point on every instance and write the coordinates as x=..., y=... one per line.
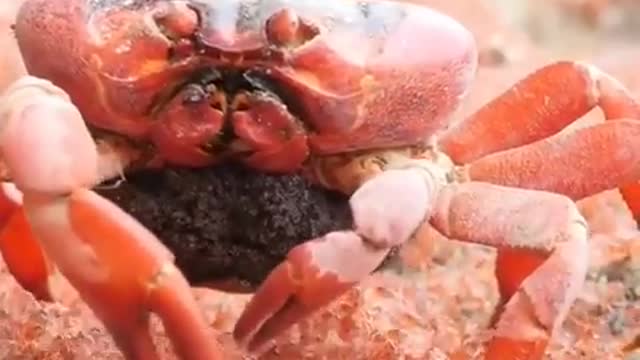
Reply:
x=344, y=65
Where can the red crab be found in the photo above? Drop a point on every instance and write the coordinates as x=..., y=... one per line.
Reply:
x=356, y=95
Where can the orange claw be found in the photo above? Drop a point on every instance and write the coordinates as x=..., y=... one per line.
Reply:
x=502, y=348
x=153, y=284
x=119, y=268
x=20, y=250
x=122, y=272
x=318, y=271
x=314, y=274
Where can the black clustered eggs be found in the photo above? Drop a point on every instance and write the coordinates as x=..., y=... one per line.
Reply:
x=229, y=222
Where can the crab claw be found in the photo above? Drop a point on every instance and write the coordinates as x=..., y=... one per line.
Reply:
x=318, y=271
x=119, y=268
x=314, y=274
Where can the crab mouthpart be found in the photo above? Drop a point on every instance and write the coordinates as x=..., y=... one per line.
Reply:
x=229, y=114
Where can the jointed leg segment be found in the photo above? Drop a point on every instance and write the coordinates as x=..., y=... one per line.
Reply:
x=578, y=164
x=539, y=106
x=543, y=228
x=20, y=250
x=387, y=210
x=119, y=268
x=513, y=141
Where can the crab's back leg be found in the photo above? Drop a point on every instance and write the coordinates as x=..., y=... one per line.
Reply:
x=119, y=268
x=544, y=230
x=536, y=107
x=577, y=164
x=541, y=105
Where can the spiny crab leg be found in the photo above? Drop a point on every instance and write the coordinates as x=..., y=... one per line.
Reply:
x=541, y=105
x=387, y=210
x=117, y=266
x=548, y=232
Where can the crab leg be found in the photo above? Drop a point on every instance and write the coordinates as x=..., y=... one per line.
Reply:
x=118, y=267
x=387, y=210
x=597, y=158
x=548, y=233
x=539, y=106
x=20, y=250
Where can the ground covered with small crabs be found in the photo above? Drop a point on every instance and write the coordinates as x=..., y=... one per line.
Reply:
x=435, y=303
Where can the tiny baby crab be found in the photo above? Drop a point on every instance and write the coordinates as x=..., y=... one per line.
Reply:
x=357, y=96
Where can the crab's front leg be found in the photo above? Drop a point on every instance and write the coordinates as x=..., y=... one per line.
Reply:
x=118, y=267
x=546, y=239
x=542, y=229
x=388, y=207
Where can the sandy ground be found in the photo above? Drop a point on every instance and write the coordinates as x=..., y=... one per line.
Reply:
x=438, y=306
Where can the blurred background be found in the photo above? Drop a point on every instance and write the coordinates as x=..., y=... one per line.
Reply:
x=432, y=308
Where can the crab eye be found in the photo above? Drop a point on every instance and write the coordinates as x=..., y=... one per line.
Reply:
x=285, y=28
x=178, y=23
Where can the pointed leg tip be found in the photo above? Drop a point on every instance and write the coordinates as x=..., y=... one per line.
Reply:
x=35, y=277
x=172, y=300
x=631, y=196
x=24, y=258
x=267, y=305
x=42, y=291
x=123, y=290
